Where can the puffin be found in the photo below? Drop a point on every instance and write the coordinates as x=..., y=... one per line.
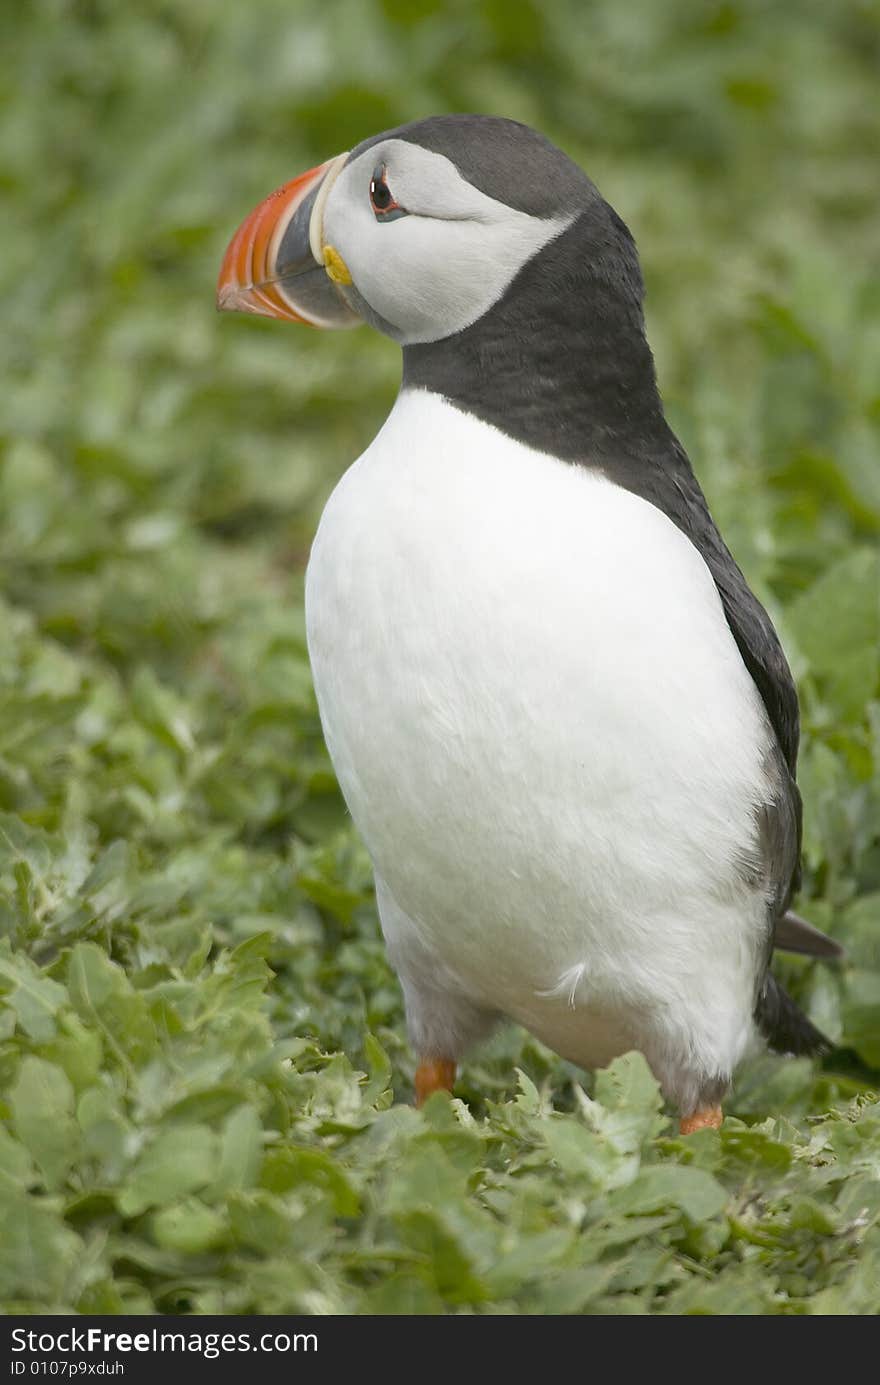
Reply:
x=563, y=724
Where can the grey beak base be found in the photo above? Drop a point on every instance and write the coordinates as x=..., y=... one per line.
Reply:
x=304, y=282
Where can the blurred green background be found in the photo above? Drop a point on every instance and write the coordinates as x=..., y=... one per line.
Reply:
x=169, y=821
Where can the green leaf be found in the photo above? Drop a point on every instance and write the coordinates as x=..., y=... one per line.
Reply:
x=102, y=995
x=179, y=1160
x=380, y=1072
x=188, y=1226
x=241, y=1150
x=107, y=1136
x=755, y=1147
x=34, y=997
x=694, y=1191
x=451, y=1268
x=77, y=1049
x=838, y=618
x=579, y=1151
x=288, y=1169
x=810, y=1215
x=628, y=1084
x=404, y=1294
x=16, y=1168
x=37, y=1251
x=259, y=1221
x=42, y=1110
x=528, y=1098
x=746, y=1294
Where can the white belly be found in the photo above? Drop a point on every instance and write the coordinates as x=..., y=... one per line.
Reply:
x=543, y=729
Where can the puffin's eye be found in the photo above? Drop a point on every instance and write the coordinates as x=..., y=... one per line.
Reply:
x=382, y=198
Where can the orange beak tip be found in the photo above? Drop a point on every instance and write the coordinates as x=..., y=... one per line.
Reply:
x=249, y=280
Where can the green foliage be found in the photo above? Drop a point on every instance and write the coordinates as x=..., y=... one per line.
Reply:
x=198, y=1026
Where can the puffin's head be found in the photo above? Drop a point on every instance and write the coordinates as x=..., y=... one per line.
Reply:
x=418, y=231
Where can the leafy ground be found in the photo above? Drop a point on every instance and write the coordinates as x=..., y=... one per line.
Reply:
x=198, y=1028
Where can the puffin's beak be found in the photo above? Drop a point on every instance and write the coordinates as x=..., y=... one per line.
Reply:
x=277, y=264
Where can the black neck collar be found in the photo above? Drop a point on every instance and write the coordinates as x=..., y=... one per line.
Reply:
x=560, y=362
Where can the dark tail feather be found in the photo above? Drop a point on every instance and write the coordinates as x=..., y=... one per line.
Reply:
x=794, y=934
x=785, y=1026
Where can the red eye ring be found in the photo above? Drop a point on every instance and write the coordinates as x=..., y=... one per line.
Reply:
x=382, y=200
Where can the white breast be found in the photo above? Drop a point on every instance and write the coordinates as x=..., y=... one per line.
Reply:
x=543, y=729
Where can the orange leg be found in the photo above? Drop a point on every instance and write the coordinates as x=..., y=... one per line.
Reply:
x=433, y=1075
x=709, y=1118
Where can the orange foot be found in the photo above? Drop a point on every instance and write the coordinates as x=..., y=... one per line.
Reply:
x=709, y=1118
x=433, y=1075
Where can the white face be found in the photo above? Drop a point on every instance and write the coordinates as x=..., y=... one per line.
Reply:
x=437, y=268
